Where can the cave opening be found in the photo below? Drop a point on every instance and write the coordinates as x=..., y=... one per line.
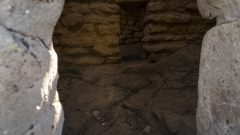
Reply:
x=108, y=82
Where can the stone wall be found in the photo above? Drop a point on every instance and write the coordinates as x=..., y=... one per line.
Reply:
x=97, y=32
x=88, y=33
x=170, y=25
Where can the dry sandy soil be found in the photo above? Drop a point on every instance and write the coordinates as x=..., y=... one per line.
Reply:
x=127, y=97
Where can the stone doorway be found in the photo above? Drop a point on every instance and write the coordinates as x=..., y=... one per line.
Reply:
x=102, y=95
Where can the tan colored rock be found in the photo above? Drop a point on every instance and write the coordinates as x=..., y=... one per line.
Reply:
x=72, y=19
x=108, y=40
x=153, y=28
x=157, y=57
x=113, y=19
x=87, y=28
x=177, y=5
x=101, y=19
x=110, y=60
x=131, y=2
x=84, y=9
x=192, y=37
x=83, y=41
x=168, y=18
x=70, y=7
x=106, y=50
x=89, y=59
x=71, y=50
x=199, y=28
x=163, y=37
x=124, y=36
x=156, y=6
x=109, y=29
x=94, y=19
x=179, y=29
x=164, y=47
x=105, y=8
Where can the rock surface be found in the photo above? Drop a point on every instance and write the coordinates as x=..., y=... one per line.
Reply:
x=224, y=11
x=28, y=68
x=90, y=31
x=170, y=25
x=218, y=105
x=31, y=18
x=128, y=93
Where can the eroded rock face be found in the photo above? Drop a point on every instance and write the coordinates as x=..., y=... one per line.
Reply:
x=218, y=103
x=31, y=18
x=28, y=68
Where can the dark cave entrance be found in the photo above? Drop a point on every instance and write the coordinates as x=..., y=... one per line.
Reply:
x=131, y=96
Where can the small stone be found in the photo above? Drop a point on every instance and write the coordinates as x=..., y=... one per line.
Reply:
x=147, y=130
x=97, y=114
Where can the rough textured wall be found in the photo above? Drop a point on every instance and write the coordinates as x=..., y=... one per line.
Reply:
x=88, y=33
x=29, y=102
x=131, y=33
x=91, y=32
x=170, y=25
x=219, y=88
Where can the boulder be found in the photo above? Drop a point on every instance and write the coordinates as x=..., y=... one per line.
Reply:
x=219, y=85
x=28, y=68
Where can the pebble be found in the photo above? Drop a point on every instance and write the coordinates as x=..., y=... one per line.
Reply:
x=97, y=114
x=147, y=129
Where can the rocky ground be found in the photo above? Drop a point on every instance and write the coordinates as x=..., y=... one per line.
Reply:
x=132, y=98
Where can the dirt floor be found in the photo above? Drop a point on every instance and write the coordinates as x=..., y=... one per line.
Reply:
x=130, y=98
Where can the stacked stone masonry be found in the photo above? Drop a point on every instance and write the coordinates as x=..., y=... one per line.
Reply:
x=88, y=33
x=170, y=25
x=97, y=32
